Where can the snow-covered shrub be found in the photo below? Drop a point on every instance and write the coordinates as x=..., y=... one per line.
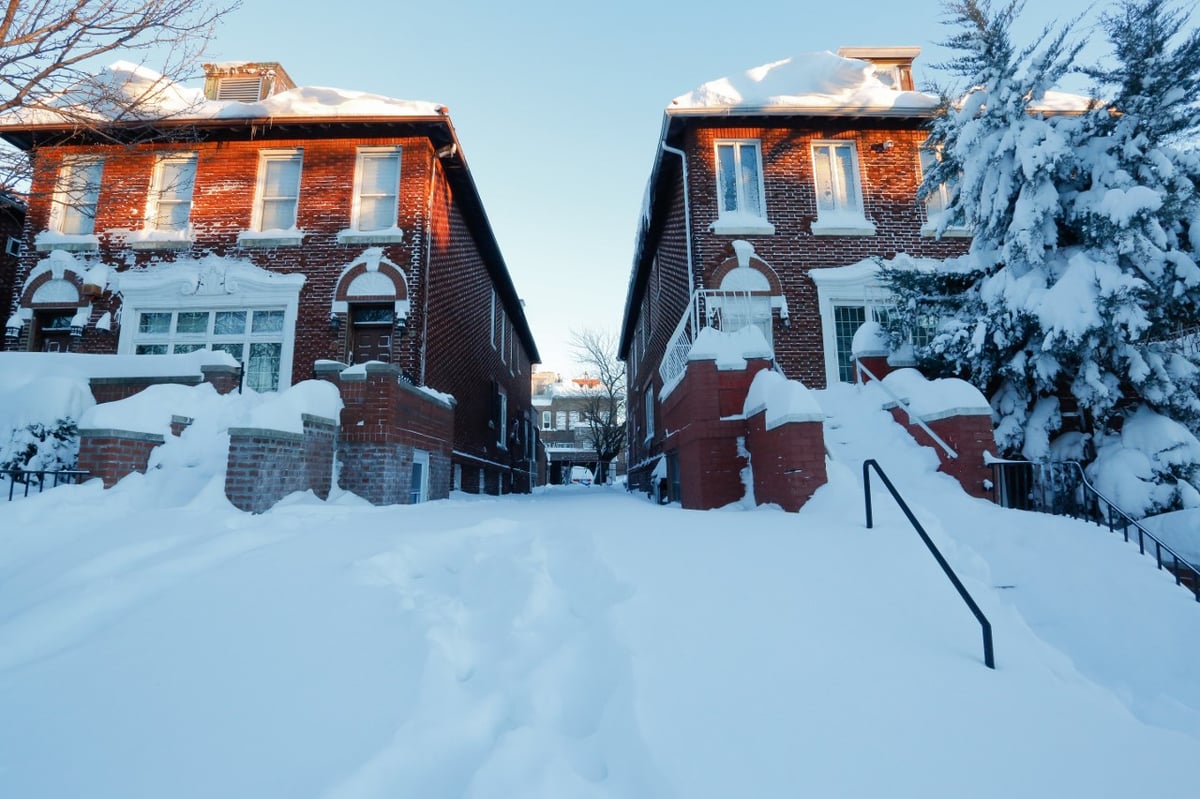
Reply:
x=39, y=446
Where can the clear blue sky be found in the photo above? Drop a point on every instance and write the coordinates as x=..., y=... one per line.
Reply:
x=559, y=105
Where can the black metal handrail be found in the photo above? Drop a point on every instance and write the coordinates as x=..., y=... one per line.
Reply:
x=989, y=657
x=61, y=477
x=1100, y=510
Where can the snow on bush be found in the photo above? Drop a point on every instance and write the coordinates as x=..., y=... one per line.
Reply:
x=1150, y=466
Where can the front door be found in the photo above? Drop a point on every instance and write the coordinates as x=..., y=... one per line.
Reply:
x=371, y=334
x=52, y=331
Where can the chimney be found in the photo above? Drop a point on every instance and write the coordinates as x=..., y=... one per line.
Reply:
x=245, y=81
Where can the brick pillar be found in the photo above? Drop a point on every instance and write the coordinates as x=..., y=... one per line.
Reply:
x=225, y=379
x=113, y=454
x=970, y=435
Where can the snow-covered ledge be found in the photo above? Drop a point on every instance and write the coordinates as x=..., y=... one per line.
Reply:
x=250, y=239
x=843, y=226
x=393, y=235
x=728, y=224
x=160, y=239
x=49, y=240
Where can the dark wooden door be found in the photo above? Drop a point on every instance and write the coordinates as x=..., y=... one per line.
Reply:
x=371, y=343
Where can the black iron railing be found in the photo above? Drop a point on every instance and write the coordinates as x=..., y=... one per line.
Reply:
x=989, y=657
x=1062, y=488
x=38, y=477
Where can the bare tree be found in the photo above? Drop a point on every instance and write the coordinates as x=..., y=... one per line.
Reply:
x=603, y=406
x=51, y=50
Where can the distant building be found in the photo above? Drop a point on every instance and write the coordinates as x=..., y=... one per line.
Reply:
x=12, y=221
x=560, y=410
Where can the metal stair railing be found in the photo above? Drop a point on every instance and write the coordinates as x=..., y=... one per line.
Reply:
x=1062, y=488
x=989, y=657
x=912, y=417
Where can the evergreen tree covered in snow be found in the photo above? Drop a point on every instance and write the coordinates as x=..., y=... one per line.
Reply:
x=1081, y=276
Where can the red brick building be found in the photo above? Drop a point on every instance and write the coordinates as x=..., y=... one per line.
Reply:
x=286, y=226
x=769, y=195
x=12, y=222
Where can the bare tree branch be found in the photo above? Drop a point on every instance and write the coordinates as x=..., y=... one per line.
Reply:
x=49, y=52
x=603, y=409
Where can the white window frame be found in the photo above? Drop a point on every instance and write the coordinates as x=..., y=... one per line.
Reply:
x=502, y=422
x=492, y=318
x=847, y=218
x=66, y=208
x=935, y=204
x=13, y=247
x=740, y=221
x=388, y=234
x=152, y=236
x=173, y=287
x=274, y=237
x=547, y=420
x=855, y=285
x=649, y=413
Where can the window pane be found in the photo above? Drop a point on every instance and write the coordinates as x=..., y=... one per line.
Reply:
x=80, y=190
x=262, y=372
x=192, y=322
x=380, y=174
x=230, y=323
x=181, y=348
x=151, y=349
x=750, y=179
x=282, y=177
x=727, y=177
x=235, y=350
x=279, y=214
x=176, y=177
x=267, y=322
x=823, y=175
x=376, y=213
x=848, y=196
x=154, y=323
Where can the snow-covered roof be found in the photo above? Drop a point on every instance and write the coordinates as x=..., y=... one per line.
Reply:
x=129, y=91
x=821, y=81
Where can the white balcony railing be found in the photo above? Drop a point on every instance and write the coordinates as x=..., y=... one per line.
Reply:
x=724, y=310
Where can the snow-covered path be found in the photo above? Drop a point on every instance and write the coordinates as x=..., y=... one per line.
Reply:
x=584, y=642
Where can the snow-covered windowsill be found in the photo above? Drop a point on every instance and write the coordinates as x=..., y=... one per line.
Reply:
x=160, y=239
x=929, y=230
x=843, y=225
x=271, y=238
x=742, y=225
x=393, y=235
x=49, y=240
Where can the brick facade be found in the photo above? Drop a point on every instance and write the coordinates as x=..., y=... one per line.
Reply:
x=970, y=436
x=114, y=454
x=440, y=269
x=683, y=245
x=264, y=466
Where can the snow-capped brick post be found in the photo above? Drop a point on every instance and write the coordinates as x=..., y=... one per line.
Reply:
x=702, y=415
x=225, y=378
x=112, y=454
x=266, y=465
x=871, y=349
x=386, y=425
x=957, y=413
x=785, y=439
x=179, y=424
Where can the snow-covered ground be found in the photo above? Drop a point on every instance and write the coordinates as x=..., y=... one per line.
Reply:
x=583, y=642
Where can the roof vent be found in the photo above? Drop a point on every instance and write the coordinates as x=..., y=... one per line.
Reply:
x=245, y=81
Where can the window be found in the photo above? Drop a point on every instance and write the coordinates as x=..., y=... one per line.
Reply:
x=278, y=190
x=76, y=196
x=169, y=206
x=560, y=418
x=649, y=412
x=503, y=325
x=377, y=187
x=547, y=420
x=254, y=337
x=12, y=246
x=492, y=318
x=501, y=417
x=740, y=204
x=838, y=190
x=937, y=202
